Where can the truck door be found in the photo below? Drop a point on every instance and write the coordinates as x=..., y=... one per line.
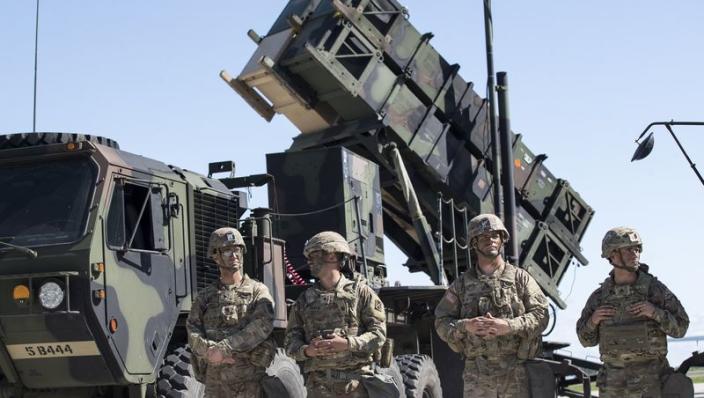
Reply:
x=139, y=271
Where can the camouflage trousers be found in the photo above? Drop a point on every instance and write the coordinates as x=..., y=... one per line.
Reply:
x=633, y=380
x=235, y=390
x=495, y=379
x=320, y=385
x=233, y=382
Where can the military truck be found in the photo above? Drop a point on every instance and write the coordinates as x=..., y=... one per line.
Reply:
x=102, y=250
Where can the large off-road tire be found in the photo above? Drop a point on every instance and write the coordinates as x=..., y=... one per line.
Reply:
x=419, y=376
x=395, y=372
x=175, y=379
x=283, y=378
x=19, y=140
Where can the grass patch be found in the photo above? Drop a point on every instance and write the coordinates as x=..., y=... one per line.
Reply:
x=696, y=374
x=579, y=388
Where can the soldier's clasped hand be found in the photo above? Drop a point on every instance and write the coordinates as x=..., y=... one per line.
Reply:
x=601, y=313
x=331, y=345
x=216, y=357
x=496, y=326
x=313, y=349
x=644, y=308
x=474, y=326
x=486, y=326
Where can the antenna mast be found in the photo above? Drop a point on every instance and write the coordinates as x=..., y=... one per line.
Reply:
x=36, y=46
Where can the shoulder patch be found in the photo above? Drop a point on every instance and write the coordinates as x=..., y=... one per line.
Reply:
x=510, y=273
x=308, y=295
x=258, y=286
x=450, y=296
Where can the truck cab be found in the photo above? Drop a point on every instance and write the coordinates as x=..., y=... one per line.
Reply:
x=99, y=256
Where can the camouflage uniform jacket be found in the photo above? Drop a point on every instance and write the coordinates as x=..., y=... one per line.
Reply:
x=351, y=309
x=509, y=293
x=235, y=319
x=627, y=337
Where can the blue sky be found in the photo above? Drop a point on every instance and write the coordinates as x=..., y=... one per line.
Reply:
x=586, y=78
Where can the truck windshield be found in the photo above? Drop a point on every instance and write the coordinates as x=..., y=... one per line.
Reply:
x=45, y=202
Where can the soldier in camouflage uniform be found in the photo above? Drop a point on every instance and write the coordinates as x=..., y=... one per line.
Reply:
x=230, y=324
x=630, y=316
x=335, y=326
x=493, y=314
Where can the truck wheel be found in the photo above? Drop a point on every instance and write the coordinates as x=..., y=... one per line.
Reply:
x=176, y=378
x=420, y=376
x=19, y=140
x=395, y=372
x=283, y=378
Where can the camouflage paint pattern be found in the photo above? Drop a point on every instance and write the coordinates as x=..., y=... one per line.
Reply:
x=633, y=348
x=403, y=113
x=534, y=182
x=131, y=277
x=364, y=60
x=328, y=178
x=493, y=366
x=568, y=215
x=545, y=256
x=237, y=320
x=124, y=304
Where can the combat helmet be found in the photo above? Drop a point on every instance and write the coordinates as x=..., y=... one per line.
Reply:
x=619, y=237
x=327, y=241
x=224, y=237
x=485, y=223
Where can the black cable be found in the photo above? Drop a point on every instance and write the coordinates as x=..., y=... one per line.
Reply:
x=314, y=211
x=554, y=321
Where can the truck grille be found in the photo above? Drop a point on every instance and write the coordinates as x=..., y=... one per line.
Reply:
x=211, y=212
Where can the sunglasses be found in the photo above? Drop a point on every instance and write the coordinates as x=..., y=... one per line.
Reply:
x=230, y=251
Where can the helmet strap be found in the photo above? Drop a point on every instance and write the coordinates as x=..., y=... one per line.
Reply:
x=476, y=247
x=233, y=268
x=345, y=263
x=623, y=267
x=319, y=264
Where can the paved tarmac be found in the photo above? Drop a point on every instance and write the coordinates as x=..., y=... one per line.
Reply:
x=699, y=390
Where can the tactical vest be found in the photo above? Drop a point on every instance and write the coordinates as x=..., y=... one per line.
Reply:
x=500, y=297
x=627, y=337
x=223, y=312
x=336, y=312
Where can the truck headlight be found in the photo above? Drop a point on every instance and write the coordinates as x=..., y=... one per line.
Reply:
x=51, y=295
